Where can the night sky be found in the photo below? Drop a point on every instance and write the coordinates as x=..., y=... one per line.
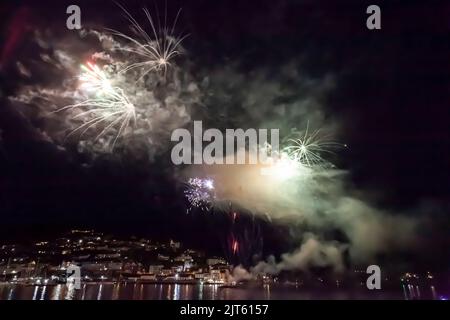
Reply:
x=391, y=99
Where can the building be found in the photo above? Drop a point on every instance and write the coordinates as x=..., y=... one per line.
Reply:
x=155, y=269
x=215, y=260
x=216, y=276
x=175, y=245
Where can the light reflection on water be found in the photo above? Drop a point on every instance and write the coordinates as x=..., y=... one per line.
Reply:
x=44, y=290
x=128, y=291
x=35, y=292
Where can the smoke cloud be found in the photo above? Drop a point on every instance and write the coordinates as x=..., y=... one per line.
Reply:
x=312, y=253
x=314, y=201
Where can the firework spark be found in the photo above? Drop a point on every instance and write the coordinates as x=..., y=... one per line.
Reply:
x=243, y=240
x=200, y=193
x=235, y=246
x=156, y=50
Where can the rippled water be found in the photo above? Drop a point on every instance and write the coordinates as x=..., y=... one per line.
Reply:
x=111, y=291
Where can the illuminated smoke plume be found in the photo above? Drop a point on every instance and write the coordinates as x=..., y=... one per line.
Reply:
x=312, y=253
x=303, y=190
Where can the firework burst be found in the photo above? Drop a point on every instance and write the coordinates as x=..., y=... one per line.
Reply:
x=108, y=110
x=156, y=49
x=95, y=80
x=200, y=193
x=303, y=156
x=309, y=148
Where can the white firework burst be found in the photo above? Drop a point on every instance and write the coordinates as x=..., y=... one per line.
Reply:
x=94, y=80
x=309, y=148
x=108, y=110
x=156, y=49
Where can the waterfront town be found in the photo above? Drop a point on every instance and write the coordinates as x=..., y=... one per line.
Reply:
x=103, y=258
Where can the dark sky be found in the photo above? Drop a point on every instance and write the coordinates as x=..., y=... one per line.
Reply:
x=393, y=98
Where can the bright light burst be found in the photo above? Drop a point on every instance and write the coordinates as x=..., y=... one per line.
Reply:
x=284, y=168
x=95, y=80
x=200, y=193
x=157, y=50
x=109, y=108
x=302, y=157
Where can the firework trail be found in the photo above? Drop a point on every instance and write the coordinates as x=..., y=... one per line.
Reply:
x=244, y=238
x=200, y=193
